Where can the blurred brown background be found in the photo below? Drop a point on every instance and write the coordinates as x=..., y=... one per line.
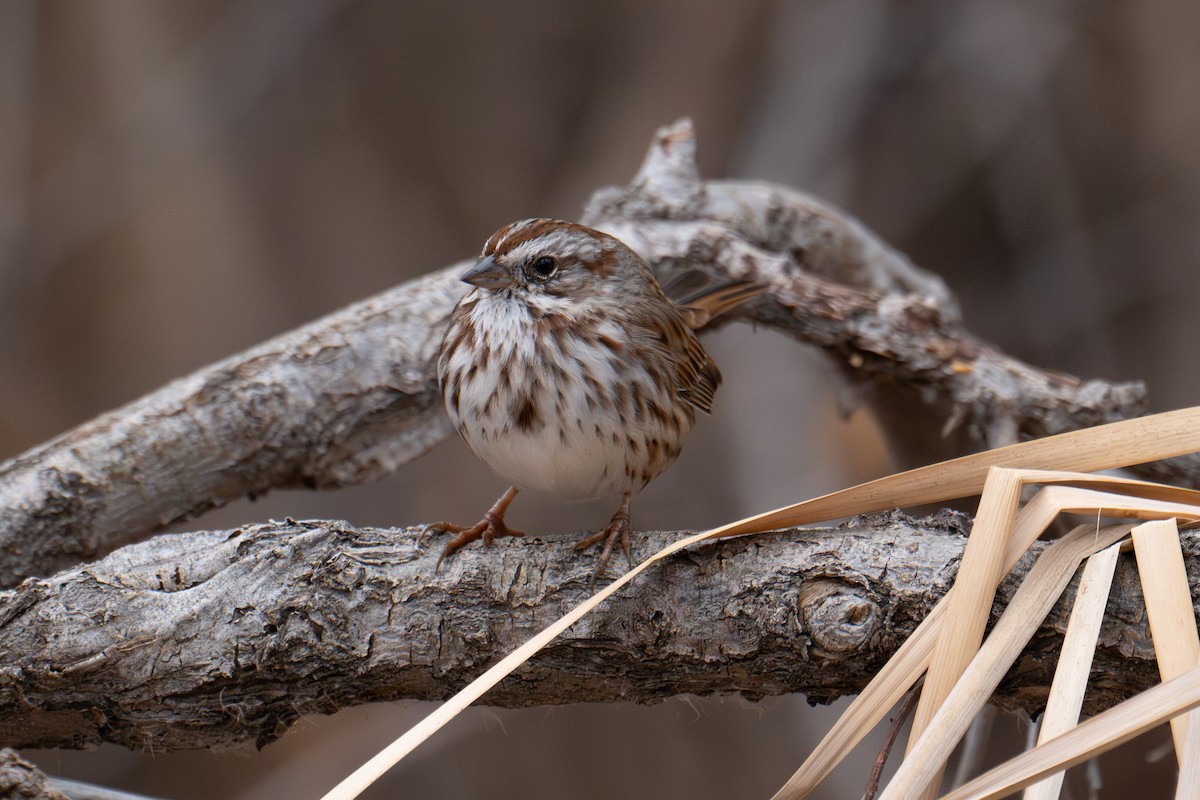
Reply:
x=180, y=180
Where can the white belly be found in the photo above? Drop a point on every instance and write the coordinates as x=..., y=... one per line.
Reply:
x=593, y=433
x=586, y=465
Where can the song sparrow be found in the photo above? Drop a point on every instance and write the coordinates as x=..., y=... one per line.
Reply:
x=568, y=370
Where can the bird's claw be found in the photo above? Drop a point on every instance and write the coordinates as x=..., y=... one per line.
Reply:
x=491, y=527
x=617, y=530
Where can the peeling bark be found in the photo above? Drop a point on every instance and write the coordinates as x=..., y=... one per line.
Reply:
x=346, y=399
x=351, y=397
x=212, y=638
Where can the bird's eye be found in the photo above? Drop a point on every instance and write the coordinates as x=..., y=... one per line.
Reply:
x=544, y=267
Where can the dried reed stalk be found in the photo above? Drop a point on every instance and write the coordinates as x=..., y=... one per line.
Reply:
x=1075, y=659
x=1099, y=734
x=1168, y=607
x=1105, y=447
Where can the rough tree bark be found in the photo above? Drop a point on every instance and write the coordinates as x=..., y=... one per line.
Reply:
x=350, y=397
x=213, y=638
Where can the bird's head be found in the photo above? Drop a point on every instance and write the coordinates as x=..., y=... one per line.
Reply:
x=548, y=261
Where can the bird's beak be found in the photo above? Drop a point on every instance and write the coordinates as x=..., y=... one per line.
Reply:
x=487, y=274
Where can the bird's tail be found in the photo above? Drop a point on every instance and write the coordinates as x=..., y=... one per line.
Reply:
x=699, y=300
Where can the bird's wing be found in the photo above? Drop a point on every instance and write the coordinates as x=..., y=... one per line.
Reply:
x=699, y=300
x=698, y=373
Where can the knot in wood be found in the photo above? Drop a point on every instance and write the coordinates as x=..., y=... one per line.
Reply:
x=839, y=616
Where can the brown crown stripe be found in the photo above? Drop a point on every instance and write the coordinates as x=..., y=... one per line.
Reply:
x=518, y=233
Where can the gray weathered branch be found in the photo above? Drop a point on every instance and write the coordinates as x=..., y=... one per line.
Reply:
x=208, y=639
x=20, y=779
x=345, y=399
x=351, y=397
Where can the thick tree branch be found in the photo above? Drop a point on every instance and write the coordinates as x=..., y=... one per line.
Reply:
x=346, y=399
x=208, y=639
x=350, y=397
x=835, y=285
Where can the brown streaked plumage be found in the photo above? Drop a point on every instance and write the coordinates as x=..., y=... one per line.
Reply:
x=568, y=370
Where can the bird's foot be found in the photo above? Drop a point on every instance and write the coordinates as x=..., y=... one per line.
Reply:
x=492, y=526
x=616, y=531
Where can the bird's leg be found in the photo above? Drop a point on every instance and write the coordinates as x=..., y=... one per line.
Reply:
x=618, y=529
x=490, y=527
